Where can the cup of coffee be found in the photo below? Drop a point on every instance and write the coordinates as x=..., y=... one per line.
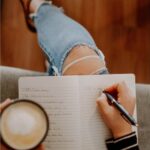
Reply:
x=24, y=125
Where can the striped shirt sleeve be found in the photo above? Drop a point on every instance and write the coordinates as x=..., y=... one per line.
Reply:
x=127, y=142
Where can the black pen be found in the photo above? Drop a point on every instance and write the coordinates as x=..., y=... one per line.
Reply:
x=121, y=109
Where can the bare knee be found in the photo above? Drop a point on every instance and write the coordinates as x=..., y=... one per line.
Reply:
x=82, y=61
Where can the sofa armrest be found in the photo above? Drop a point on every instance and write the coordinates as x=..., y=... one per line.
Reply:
x=9, y=80
x=143, y=113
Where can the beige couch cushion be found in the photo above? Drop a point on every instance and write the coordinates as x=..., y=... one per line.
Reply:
x=9, y=88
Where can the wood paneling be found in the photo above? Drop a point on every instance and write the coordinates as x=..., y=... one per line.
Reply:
x=121, y=29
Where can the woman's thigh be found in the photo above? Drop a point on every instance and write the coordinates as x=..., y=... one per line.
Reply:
x=90, y=65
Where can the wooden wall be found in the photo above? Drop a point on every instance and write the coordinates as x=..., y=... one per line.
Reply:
x=121, y=29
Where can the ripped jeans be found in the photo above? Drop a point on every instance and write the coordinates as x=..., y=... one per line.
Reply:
x=58, y=35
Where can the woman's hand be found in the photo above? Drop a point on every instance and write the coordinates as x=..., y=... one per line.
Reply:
x=2, y=106
x=111, y=115
x=5, y=103
x=41, y=147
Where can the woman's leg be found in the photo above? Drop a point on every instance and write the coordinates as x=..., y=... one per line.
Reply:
x=68, y=46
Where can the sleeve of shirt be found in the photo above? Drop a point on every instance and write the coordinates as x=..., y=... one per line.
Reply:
x=127, y=142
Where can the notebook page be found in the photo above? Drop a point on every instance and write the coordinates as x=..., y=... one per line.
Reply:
x=93, y=130
x=59, y=97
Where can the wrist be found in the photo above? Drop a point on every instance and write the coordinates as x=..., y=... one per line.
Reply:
x=122, y=132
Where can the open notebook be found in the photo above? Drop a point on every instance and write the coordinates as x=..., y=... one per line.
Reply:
x=70, y=101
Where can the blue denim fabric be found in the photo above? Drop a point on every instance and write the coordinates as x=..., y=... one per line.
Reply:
x=58, y=34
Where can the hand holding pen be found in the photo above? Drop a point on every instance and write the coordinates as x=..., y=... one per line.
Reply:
x=117, y=124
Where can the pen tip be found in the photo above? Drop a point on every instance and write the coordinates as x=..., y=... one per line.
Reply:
x=136, y=125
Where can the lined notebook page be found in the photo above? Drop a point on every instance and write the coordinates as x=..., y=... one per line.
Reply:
x=94, y=132
x=59, y=97
x=70, y=101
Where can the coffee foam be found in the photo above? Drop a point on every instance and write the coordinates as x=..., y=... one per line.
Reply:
x=25, y=124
